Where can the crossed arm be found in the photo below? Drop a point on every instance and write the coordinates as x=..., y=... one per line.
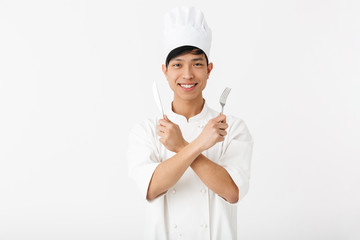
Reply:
x=187, y=155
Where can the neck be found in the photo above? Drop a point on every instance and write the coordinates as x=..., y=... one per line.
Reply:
x=188, y=108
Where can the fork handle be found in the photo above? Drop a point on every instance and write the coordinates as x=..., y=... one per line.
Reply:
x=222, y=109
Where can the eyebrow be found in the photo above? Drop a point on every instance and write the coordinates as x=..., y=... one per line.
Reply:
x=193, y=60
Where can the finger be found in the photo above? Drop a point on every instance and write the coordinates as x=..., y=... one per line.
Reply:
x=220, y=118
x=164, y=123
x=222, y=133
x=161, y=128
x=166, y=118
x=161, y=134
x=221, y=138
x=222, y=125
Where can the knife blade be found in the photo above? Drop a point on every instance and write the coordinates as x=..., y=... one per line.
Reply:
x=157, y=98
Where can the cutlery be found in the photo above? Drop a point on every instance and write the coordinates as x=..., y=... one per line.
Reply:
x=157, y=98
x=223, y=98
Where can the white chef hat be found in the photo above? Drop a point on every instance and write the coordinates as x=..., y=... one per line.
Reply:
x=186, y=26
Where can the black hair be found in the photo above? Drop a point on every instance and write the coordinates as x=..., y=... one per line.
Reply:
x=183, y=50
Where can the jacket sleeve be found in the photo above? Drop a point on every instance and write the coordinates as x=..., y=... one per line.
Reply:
x=142, y=155
x=236, y=155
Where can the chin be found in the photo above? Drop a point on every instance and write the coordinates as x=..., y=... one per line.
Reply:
x=188, y=98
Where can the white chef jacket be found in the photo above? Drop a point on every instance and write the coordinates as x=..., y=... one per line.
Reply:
x=189, y=209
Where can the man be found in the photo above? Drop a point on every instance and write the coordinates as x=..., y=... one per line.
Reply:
x=193, y=166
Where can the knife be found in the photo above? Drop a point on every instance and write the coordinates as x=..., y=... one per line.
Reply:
x=157, y=98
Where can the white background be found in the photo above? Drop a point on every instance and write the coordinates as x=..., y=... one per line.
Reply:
x=76, y=75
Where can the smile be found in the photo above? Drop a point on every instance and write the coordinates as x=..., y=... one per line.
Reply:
x=187, y=87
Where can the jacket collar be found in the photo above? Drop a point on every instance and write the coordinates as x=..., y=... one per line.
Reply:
x=177, y=118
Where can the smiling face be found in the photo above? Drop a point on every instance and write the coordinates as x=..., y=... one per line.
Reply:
x=187, y=75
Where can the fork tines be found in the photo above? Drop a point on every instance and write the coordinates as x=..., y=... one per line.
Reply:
x=224, y=95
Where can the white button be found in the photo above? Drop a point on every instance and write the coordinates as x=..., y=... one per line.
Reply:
x=203, y=225
x=173, y=191
x=203, y=190
x=175, y=226
x=180, y=235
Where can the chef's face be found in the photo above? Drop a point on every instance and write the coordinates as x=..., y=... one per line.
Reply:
x=187, y=75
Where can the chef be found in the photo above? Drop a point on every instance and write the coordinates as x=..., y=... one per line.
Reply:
x=193, y=165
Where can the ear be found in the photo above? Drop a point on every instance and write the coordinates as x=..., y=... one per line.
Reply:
x=164, y=70
x=209, y=68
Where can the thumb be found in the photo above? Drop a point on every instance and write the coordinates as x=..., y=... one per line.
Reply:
x=166, y=118
x=221, y=117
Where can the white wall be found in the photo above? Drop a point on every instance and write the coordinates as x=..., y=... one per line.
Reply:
x=76, y=75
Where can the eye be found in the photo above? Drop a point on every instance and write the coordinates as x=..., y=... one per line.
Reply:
x=198, y=64
x=176, y=65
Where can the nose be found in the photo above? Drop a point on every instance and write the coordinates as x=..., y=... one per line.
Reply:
x=188, y=74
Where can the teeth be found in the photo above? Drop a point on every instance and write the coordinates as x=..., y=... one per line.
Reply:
x=187, y=86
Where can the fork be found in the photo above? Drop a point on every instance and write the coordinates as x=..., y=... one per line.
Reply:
x=223, y=98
